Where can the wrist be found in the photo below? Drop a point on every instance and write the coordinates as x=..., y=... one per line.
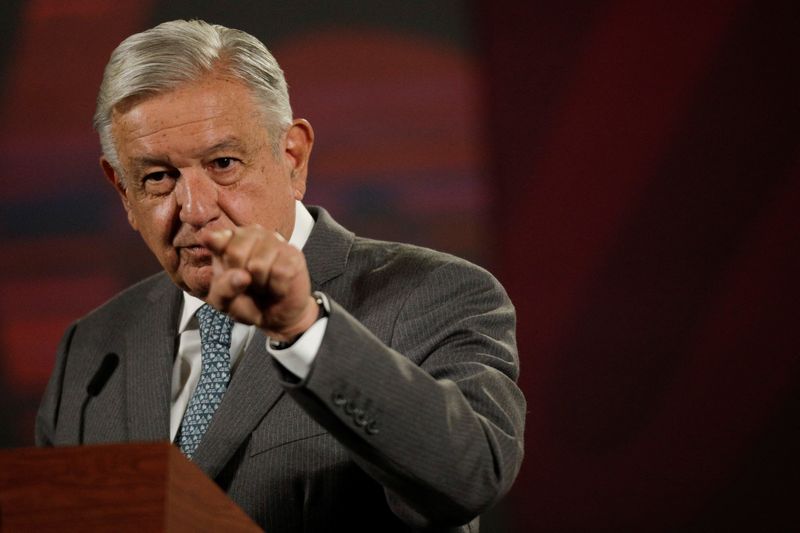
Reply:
x=316, y=309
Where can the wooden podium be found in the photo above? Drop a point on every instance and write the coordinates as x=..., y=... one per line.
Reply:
x=117, y=487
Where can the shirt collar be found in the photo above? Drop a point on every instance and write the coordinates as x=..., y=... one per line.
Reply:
x=303, y=224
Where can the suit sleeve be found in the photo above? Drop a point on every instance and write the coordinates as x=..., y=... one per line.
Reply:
x=435, y=416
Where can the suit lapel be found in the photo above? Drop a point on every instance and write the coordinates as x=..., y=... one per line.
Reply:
x=150, y=350
x=327, y=249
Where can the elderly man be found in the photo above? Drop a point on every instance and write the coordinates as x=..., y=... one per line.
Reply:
x=352, y=384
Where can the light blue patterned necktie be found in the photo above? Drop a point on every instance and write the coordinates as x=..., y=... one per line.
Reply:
x=215, y=343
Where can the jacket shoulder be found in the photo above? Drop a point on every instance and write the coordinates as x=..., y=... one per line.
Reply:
x=415, y=263
x=141, y=295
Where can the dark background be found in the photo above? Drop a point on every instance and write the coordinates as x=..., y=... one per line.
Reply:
x=628, y=169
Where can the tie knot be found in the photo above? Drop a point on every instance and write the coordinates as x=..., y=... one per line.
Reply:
x=214, y=324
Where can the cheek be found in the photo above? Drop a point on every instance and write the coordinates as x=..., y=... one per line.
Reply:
x=155, y=221
x=239, y=207
x=265, y=195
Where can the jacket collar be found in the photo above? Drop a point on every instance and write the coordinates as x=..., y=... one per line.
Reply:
x=327, y=248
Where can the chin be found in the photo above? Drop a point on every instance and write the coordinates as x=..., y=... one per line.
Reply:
x=196, y=283
x=197, y=291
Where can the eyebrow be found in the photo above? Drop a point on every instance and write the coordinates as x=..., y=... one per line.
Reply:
x=230, y=143
x=225, y=144
x=147, y=161
x=139, y=164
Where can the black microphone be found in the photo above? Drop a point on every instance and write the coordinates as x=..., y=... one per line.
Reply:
x=103, y=374
x=96, y=385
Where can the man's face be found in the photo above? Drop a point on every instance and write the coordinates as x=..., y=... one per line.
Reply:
x=199, y=159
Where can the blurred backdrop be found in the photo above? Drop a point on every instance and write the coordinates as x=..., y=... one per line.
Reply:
x=628, y=170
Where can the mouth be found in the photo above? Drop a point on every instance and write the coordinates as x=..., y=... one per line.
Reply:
x=195, y=252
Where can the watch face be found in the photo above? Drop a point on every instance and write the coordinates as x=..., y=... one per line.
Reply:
x=279, y=345
x=323, y=303
x=324, y=311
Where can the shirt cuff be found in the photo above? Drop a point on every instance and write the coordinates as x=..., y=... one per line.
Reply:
x=299, y=357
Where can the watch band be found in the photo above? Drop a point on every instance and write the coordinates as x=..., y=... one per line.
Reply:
x=324, y=310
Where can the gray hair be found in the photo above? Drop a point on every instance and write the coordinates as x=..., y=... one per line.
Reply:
x=163, y=57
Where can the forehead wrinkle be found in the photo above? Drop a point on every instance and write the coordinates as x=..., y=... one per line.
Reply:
x=137, y=133
x=150, y=136
x=157, y=160
x=144, y=141
x=226, y=143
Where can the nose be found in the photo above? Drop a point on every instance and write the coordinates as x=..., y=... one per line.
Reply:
x=196, y=196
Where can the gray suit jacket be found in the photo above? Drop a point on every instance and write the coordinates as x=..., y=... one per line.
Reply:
x=410, y=417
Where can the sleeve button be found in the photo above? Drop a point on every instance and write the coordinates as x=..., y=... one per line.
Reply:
x=360, y=419
x=339, y=399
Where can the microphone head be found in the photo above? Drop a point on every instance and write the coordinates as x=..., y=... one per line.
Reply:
x=103, y=374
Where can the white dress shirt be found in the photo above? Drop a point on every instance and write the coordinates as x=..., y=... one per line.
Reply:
x=186, y=370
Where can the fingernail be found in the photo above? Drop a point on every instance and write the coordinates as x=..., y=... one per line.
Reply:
x=222, y=234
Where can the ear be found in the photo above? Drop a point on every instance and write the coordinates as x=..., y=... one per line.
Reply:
x=113, y=177
x=297, y=151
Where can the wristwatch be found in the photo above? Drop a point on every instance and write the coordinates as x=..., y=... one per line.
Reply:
x=324, y=310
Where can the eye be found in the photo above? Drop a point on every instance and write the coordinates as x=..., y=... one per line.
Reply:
x=160, y=182
x=155, y=176
x=223, y=163
x=160, y=175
